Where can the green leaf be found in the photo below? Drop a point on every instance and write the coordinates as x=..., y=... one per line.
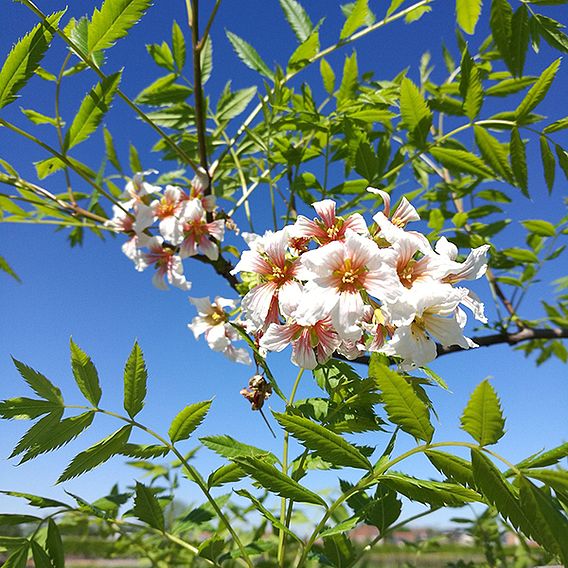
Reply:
x=552, y=525
x=96, y=454
x=11, y=519
x=538, y=91
x=328, y=76
x=329, y=446
x=113, y=21
x=467, y=14
x=555, y=478
x=415, y=114
x=188, y=420
x=147, y=508
x=539, y=227
x=498, y=492
x=453, y=467
x=276, y=482
x=36, y=500
x=551, y=31
x=298, y=19
x=403, y=406
x=522, y=255
x=54, y=545
x=49, y=166
x=92, y=110
x=501, y=20
x=142, y=451
x=551, y=457
x=232, y=104
x=461, y=161
x=304, y=52
x=134, y=159
x=206, y=60
x=561, y=124
x=562, y=156
x=40, y=556
x=111, y=150
x=135, y=377
x=519, y=161
x=548, y=162
x=23, y=408
x=228, y=473
x=230, y=448
x=510, y=86
x=349, y=80
x=37, y=432
x=178, y=46
x=40, y=384
x=248, y=55
x=471, y=88
x=24, y=58
x=494, y=153
x=356, y=19
x=37, y=117
x=366, y=161
x=519, y=39
x=483, y=418
x=162, y=55
x=163, y=91
x=58, y=434
x=85, y=374
x=5, y=267
x=19, y=557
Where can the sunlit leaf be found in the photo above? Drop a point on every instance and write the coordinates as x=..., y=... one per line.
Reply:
x=85, y=373
x=248, y=55
x=135, y=378
x=185, y=423
x=483, y=418
x=298, y=19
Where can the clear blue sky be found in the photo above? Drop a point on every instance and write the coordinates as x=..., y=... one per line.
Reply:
x=94, y=294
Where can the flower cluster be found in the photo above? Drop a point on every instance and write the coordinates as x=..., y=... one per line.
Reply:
x=183, y=229
x=332, y=284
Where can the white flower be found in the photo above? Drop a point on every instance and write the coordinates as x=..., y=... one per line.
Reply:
x=196, y=231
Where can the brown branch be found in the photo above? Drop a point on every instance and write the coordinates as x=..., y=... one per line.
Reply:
x=222, y=267
x=526, y=334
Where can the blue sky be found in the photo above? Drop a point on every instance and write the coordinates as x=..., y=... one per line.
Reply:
x=94, y=294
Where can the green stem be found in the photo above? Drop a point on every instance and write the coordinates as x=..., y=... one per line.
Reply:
x=192, y=474
x=282, y=535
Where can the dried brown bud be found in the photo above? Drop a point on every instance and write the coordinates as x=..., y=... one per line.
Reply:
x=257, y=392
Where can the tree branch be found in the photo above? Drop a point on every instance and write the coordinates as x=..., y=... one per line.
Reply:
x=526, y=334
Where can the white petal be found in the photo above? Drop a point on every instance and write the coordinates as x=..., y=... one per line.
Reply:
x=203, y=305
x=277, y=337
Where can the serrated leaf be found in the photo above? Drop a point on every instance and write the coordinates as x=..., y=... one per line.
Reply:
x=539, y=227
x=23, y=408
x=304, y=52
x=561, y=124
x=111, y=150
x=36, y=500
x=144, y=451
x=39, y=383
x=147, y=508
x=248, y=55
x=551, y=457
x=329, y=446
x=163, y=91
x=356, y=19
x=228, y=473
x=467, y=14
x=366, y=161
x=41, y=559
x=188, y=420
x=494, y=153
x=551, y=31
x=519, y=161
x=19, y=557
x=37, y=432
x=276, y=482
x=96, y=454
x=471, y=88
x=500, y=20
x=415, y=114
x=538, y=91
x=134, y=159
x=12, y=519
x=555, y=478
x=58, y=435
x=562, y=156
x=483, y=418
x=22, y=61
x=548, y=163
x=178, y=46
x=453, y=467
x=112, y=21
x=552, y=525
x=85, y=374
x=403, y=406
x=298, y=19
x=519, y=39
x=349, y=79
x=54, y=545
x=509, y=86
x=228, y=447
x=206, y=60
x=162, y=55
x=38, y=117
x=232, y=104
x=135, y=378
x=328, y=76
x=461, y=161
x=498, y=492
x=92, y=110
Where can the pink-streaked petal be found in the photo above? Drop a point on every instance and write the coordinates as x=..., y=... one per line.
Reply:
x=275, y=247
x=360, y=250
x=385, y=197
x=304, y=227
x=208, y=248
x=326, y=210
x=355, y=222
x=289, y=297
x=251, y=261
x=188, y=246
x=158, y=280
x=405, y=213
x=175, y=274
x=192, y=211
x=278, y=337
x=256, y=303
x=303, y=354
x=172, y=230
x=216, y=229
